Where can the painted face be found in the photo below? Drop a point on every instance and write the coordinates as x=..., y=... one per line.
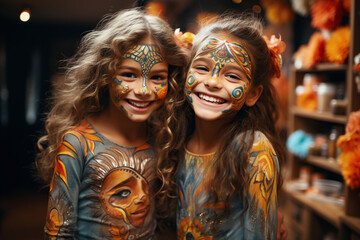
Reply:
x=218, y=79
x=140, y=85
x=125, y=194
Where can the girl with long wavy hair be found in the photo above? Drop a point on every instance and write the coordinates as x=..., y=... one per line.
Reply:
x=223, y=131
x=97, y=154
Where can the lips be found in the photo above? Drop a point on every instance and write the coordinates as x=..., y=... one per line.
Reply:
x=211, y=99
x=139, y=104
x=140, y=212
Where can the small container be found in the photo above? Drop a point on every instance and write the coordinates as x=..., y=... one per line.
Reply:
x=338, y=107
x=325, y=93
x=328, y=187
x=332, y=151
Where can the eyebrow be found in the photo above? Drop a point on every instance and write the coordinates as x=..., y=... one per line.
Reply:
x=128, y=68
x=160, y=71
x=123, y=183
x=203, y=58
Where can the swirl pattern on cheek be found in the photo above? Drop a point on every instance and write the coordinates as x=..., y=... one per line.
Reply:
x=238, y=96
x=190, y=84
x=162, y=91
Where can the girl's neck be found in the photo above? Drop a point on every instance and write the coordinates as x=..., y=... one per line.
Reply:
x=207, y=135
x=119, y=129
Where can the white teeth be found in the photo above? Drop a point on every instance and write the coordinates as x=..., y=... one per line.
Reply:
x=210, y=99
x=140, y=105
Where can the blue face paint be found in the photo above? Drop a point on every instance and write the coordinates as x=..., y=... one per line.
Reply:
x=147, y=55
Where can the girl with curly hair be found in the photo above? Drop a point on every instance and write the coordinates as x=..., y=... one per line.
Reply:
x=97, y=155
x=223, y=131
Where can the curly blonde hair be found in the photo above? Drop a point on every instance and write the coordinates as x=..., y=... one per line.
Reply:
x=85, y=89
x=229, y=171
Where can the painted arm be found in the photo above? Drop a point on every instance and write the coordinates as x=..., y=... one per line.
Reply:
x=64, y=190
x=261, y=215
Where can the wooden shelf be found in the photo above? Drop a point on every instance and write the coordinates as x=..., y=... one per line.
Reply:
x=351, y=222
x=325, y=163
x=328, y=211
x=324, y=67
x=327, y=117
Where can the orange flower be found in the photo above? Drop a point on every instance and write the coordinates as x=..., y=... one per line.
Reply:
x=350, y=167
x=184, y=39
x=337, y=47
x=347, y=5
x=156, y=8
x=353, y=122
x=279, y=13
x=313, y=53
x=276, y=47
x=349, y=158
x=326, y=14
x=275, y=44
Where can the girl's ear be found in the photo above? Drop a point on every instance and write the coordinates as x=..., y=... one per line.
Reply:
x=253, y=95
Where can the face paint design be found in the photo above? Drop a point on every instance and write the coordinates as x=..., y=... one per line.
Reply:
x=237, y=98
x=140, y=84
x=222, y=53
x=147, y=55
x=161, y=91
x=190, y=83
x=119, y=89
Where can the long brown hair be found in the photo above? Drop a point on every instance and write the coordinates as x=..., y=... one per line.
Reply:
x=90, y=71
x=230, y=166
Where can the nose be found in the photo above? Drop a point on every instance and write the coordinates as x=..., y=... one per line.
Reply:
x=141, y=199
x=213, y=82
x=143, y=88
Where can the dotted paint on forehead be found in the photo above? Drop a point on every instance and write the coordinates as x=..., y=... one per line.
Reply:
x=224, y=52
x=147, y=55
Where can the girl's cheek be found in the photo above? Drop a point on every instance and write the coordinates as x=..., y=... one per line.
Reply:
x=190, y=84
x=238, y=95
x=161, y=91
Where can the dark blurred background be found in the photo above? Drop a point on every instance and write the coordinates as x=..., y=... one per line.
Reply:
x=30, y=59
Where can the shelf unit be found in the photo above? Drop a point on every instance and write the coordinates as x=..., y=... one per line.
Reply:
x=305, y=217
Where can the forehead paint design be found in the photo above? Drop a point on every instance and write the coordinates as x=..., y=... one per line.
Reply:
x=147, y=55
x=224, y=52
x=161, y=91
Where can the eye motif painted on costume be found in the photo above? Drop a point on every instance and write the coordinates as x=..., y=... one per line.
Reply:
x=224, y=52
x=147, y=55
x=190, y=84
x=161, y=91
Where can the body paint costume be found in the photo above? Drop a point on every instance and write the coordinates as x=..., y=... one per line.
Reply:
x=196, y=210
x=100, y=190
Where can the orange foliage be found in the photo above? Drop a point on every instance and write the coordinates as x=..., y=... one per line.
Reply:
x=313, y=53
x=326, y=14
x=349, y=158
x=337, y=47
x=156, y=9
x=279, y=13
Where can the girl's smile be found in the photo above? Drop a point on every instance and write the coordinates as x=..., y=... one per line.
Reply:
x=141, y=82
x=218, y=80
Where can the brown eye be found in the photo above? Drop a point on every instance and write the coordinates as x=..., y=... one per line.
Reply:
x=202, y=69
x=122, y=194
x=233, y=77
x=158, y=78
x=128, y=75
